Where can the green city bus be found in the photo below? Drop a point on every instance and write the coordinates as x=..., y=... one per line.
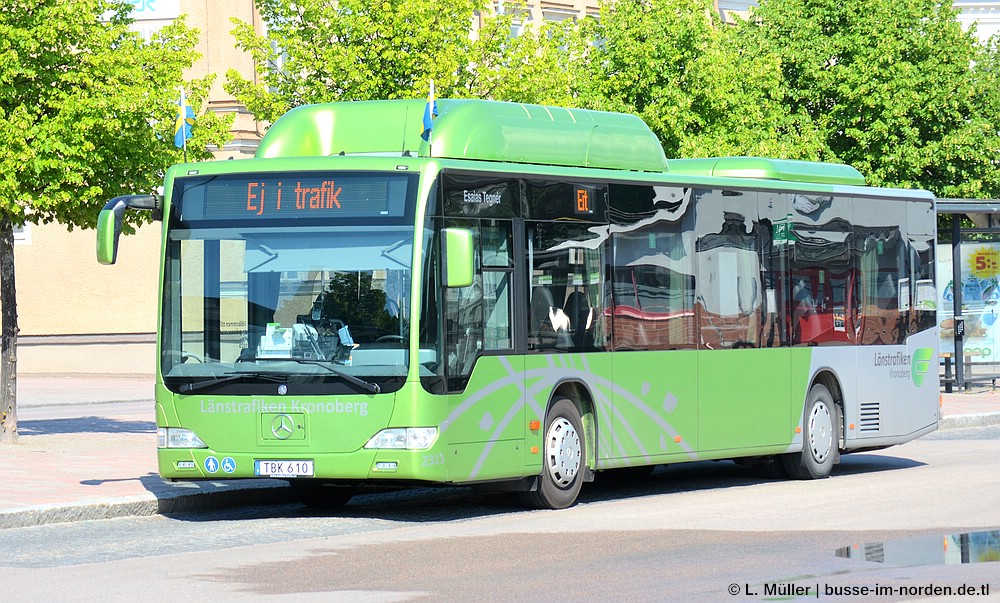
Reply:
x=523, y=299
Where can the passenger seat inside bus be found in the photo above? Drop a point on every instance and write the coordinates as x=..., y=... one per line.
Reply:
x=541, y=303
x=581, y=317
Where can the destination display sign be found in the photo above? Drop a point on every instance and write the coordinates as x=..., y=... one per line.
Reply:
x=294, y=195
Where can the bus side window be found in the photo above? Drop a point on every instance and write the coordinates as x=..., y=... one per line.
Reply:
x=729, y=296
x=566, y=285
x=498, y=267
x=805, y=321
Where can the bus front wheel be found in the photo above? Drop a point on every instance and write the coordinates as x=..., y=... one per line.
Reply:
x=564, y=450
x=820, y=438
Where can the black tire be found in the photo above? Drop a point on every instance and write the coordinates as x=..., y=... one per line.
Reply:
x=820, y=437
x=320, y=495
x=564, y=450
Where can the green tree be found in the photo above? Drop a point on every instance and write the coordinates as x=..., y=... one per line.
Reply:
x=537, y=65
x=640, y=61
x=88, y=108
x=896, y=88
x=673, y=63
x=318, y=51
x=738, y=108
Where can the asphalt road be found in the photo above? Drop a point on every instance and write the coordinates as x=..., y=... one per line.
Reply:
x=699, y=532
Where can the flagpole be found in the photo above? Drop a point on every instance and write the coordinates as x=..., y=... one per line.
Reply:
x=183, y=117
x=430, y=111
x=430, y=135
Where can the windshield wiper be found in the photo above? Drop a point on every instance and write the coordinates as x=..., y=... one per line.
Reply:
x=369, y=387
x=190, y=387
x=372, y=388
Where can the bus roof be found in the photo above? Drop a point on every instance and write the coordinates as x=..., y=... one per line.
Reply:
x=468, y=129
x=786, y=170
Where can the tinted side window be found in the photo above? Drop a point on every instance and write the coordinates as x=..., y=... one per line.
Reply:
x=565, y=287
x=825, y=297
x=652, y=268
x=883, y=258
x=774, y=234
x=730, y=296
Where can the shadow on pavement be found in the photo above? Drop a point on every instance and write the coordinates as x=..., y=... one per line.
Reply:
x=84, y=425
x=458, y=503
x=150, y=479
x=860, y=462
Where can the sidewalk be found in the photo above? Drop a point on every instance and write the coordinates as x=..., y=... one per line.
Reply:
x=67, y=468
x=103, y=465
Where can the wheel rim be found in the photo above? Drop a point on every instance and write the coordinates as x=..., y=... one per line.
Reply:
x=562, y=451
x=820, y=431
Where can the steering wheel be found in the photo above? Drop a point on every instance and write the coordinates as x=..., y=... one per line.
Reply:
x=388, y=338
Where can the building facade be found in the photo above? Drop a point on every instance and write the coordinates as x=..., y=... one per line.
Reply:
x=985, y=16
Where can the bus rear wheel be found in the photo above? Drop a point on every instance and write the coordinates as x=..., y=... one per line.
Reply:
x=820, y=437
x=565, y=449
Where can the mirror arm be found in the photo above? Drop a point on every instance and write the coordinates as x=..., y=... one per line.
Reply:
x=114, y=210
x=147, y=202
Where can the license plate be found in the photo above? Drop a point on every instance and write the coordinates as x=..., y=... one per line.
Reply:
x=283, y=468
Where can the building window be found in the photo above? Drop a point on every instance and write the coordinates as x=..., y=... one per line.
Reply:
x=22, y=235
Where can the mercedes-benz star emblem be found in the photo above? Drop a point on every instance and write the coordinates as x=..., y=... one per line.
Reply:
x=282, y=426
x=282, y=389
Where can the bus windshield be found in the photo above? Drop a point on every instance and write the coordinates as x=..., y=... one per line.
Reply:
x=269, y=299
x=319, y=305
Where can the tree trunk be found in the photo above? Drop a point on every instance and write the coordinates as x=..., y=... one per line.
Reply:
x=8, y=335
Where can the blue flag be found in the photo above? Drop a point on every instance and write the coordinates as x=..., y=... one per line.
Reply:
x=430, y=112
x=183, y=122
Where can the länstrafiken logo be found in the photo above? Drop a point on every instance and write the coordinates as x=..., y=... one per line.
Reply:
x=920, y=364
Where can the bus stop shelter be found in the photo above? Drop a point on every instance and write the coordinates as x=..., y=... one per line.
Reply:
x=968, y=317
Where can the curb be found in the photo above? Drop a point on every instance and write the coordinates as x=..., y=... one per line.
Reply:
x=164, y=503
x=971, y=420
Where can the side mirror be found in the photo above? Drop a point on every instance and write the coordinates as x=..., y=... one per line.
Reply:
x=457, y=257
x=109, y=223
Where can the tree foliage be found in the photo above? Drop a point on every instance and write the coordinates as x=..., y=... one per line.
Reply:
x=896, y=88
x=676, y=65
x=535, y=66
x=88, y=109
x=319, y=51
x=643, y=59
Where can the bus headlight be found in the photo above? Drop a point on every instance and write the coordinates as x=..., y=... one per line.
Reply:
x=408, y=438
x=177, y=437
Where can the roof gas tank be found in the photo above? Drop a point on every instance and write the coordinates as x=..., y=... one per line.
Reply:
x=468, y=129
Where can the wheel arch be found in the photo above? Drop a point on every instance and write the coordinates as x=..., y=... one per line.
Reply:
x=828, y=378
x=579, y=393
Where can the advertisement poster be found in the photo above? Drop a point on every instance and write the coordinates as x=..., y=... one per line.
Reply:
x=980, y=298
